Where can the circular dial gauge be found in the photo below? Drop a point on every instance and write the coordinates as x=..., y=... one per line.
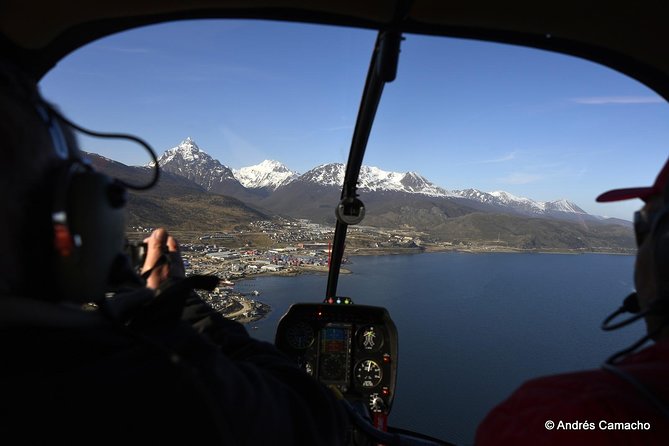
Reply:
x=368, y=373
x=370, y=338
x=332, y=367
x=309, y=368
x=300, y=336
x=306, y=364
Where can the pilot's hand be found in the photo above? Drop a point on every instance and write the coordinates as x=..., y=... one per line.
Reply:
x=163, y=258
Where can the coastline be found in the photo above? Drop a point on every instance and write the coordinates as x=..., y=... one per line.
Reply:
x=303, y=269
x=250, y=309
x=483, y=250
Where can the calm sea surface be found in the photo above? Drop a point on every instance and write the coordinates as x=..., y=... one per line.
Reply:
x=472, y=327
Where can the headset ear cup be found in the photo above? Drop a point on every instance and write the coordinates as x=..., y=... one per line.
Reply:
x=96, y=227
x=661, y=254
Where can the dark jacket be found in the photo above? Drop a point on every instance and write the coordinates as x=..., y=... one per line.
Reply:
x=74, y=376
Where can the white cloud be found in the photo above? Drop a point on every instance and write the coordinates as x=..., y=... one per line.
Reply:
x=508, y=157
x=520, y=178
x=501, y=159
x=602, y=100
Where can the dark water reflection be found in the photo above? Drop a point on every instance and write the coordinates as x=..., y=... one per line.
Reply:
x=472, y=327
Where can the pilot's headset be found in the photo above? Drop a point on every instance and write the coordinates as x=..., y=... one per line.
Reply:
x=660, y=237
x=659, y=234
x=88, y=216
x=659, y=306
x=87, y=213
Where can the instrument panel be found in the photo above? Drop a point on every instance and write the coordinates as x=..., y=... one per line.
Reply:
x=353, y=347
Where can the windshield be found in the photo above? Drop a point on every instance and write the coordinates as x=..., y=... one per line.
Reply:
x=483, y=158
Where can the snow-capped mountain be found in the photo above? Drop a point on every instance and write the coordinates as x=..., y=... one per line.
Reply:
x=563, y=205
x=415, y=183
x=268, y=174
x=189, y=161
x=519, y=204
x=197, y=192
x=373, y=179
x=325, y=175
x=272, y=185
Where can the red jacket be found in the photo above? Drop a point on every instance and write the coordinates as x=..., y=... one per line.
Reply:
x=583, y=408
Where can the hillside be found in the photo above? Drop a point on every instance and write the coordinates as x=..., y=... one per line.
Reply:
x=534, y=233
x=176, y=202
x=187, y=201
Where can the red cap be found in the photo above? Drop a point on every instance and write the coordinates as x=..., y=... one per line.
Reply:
x=639, y=192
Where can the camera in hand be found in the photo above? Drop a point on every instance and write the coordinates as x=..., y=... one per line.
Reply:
x=136, y=252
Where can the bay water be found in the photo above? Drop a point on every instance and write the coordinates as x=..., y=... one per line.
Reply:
x=473, y=327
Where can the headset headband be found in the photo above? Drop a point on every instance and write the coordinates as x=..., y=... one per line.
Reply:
x=60, y=145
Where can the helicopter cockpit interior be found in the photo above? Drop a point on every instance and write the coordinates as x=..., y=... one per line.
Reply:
x=349, y=346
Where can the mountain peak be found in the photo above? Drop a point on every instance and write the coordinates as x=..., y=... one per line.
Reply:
x=504, y=198
x=272, y=164
x=189, y=161
x=373, y=179
x=188, y=143
x=416, y=183
x=268, y=174
x=508, y=198
x=331, y=174
x=564, y=205
x=187, y=150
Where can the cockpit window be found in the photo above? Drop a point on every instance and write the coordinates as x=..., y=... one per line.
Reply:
x=529, y=122
x=483, y=159
x=244, y=92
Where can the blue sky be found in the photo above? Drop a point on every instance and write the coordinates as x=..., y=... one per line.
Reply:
x=462, y=113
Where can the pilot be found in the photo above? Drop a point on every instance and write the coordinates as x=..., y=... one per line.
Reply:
x=627, y=401
x=75, y=372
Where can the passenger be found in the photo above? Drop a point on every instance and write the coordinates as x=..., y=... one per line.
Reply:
x=627, y=401
x=153, y=365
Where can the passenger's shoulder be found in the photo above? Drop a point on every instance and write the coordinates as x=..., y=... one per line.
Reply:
x=567, y=409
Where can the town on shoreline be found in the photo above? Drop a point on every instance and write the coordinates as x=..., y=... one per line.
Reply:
x=293, y=247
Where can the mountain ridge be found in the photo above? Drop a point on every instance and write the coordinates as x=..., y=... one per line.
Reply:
x=199, y=204
x=269, y=174
x=257, y=183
